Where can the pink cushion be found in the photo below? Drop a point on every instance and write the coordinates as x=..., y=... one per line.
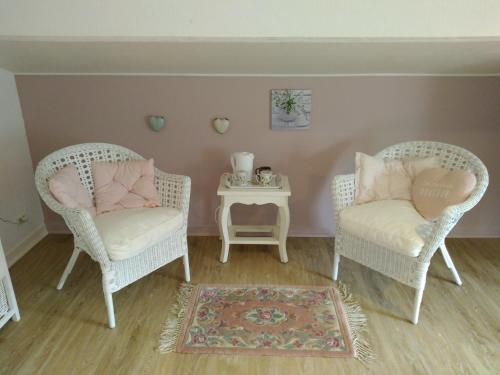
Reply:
x=414, y=166
x=437, y=188
x=122, y=185
x=378, y=179
x=67, y=188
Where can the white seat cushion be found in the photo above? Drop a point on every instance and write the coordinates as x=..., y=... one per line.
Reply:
x=393, y=224
x=128, y=232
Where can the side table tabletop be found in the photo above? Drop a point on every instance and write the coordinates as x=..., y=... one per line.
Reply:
x=279, y=231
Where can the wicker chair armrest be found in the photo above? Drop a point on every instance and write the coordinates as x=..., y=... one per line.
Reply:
x=443, y=224
x=439, y=229
x=469, y=203
x=82, y=225
x=342, y=190
x=175, y=191
x=79, y=221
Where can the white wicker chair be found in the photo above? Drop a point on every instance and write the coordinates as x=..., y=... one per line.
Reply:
x=174, y=192
x=408, y=270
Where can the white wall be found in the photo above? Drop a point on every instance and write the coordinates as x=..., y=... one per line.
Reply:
x=251, y=18
x=18, y=194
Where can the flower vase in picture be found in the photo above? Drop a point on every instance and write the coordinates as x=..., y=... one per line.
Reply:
x=291, y=109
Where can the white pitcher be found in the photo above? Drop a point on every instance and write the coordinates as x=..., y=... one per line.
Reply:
x=242, y=161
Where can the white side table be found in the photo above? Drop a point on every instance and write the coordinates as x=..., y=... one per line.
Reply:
x=279, y=232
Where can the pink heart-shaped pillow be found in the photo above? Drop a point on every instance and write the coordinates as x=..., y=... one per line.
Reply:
x=437, y=188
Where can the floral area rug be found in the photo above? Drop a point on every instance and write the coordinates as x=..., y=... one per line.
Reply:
x=318, y=321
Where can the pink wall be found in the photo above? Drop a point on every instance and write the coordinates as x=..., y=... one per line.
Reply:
x=349, y=114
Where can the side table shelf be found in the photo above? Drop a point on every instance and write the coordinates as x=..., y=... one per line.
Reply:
x=272, y=229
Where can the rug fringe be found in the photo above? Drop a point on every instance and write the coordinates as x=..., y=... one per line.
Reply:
x=173, y=324
x=357, y=322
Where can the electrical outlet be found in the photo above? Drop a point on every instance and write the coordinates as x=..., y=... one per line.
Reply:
x=23, y=218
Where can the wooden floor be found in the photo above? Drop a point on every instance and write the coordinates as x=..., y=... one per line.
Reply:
x=65, y=332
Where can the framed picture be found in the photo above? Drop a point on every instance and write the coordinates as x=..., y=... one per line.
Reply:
x=291, y=109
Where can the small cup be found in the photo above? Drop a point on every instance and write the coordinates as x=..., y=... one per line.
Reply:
x=265, y=177
x=260, y=169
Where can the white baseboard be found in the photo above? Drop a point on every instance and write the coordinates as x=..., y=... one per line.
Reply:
x=212, y=230
x=25, y=245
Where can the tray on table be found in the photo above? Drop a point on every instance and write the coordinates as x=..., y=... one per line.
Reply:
x=275, y=183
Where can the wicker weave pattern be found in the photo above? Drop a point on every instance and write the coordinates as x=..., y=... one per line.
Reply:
x=174, y=191
x=408, y=270
x=4, y=304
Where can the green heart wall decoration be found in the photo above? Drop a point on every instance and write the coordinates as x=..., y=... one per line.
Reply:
x=156, y=123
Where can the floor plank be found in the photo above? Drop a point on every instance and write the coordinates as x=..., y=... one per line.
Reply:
x=65, y=332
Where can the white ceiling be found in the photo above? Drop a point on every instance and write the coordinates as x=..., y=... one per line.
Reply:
x=251, y=18
x=311, y=57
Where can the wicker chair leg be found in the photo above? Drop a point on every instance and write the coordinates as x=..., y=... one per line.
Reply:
x=449, y=263
x=187, y=274
x=16, y=317
x=108, y=297
x=336, y=261
x=11, y=298
x=418, y=301
x=69, y=268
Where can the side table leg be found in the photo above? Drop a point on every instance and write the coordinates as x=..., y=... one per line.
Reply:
x=224, y=215
x=284, y=223
x=229, y=221
x=218, y=213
